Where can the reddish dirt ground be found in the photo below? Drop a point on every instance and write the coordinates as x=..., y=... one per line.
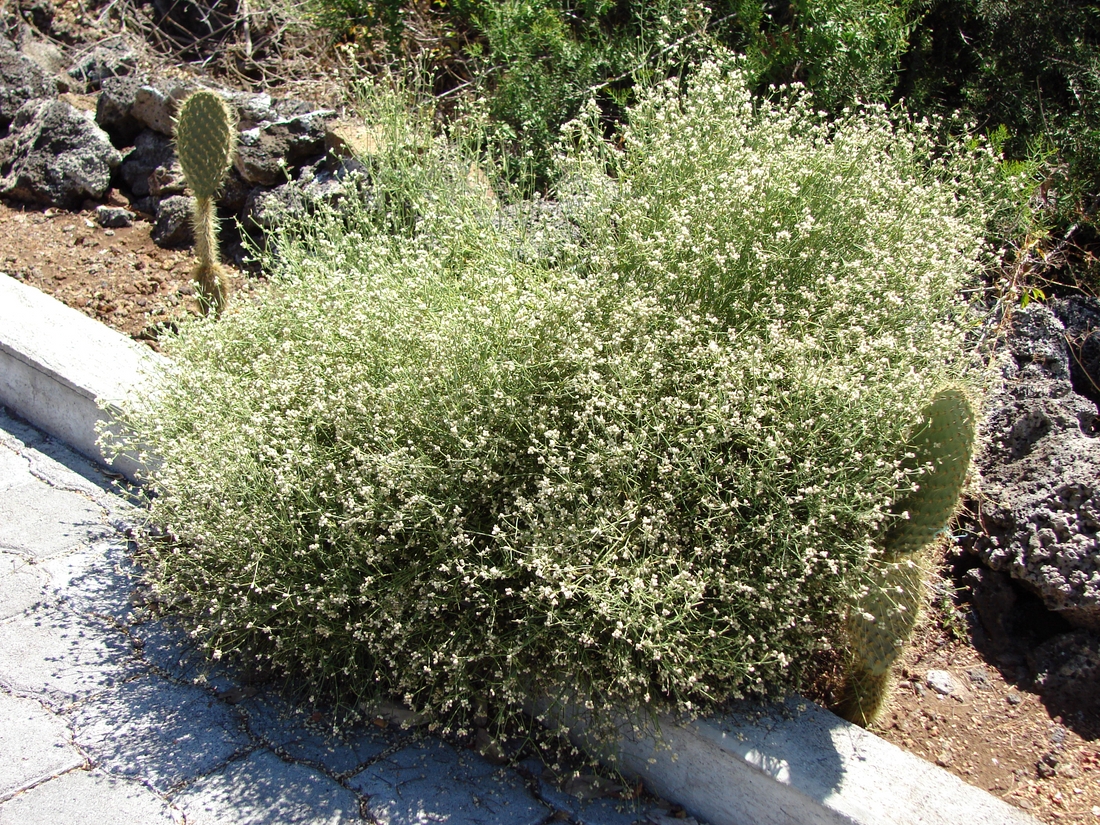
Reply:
x=117, y=276
x=995, y=731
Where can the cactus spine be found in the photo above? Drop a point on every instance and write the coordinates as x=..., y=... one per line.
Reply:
x=882, y=620
x=205, y=139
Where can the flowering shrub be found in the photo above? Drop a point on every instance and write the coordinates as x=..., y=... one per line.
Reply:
x=638, y=439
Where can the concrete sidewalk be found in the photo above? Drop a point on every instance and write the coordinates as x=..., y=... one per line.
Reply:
x=109, y=715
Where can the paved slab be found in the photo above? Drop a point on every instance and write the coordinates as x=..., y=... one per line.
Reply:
x=13, y=468
x=304, y=737
x=58, y=465
x=165, y=734
x=34, y=745
x=171, y=652
x=263, y=789
x=39, y=521
x=88, y=798
x=575, y=802
x=22, y=584
x=96, y=579
x=430, y=781
x=61, y=659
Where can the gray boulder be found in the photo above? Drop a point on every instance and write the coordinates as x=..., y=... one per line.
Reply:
x=234, y=193
x=21, y=79
x=47, y=56
x=113, y=217
x=1066, y=670
x=155, y=105
x=316, y=186
x=1080, y=315
x=112, y=57
x=1040, y=499
x=167, y=180
x=173, y=227
x=151, y=151
x=269, y=155
x=114, y=109
x=55, y=155
x=252, y=109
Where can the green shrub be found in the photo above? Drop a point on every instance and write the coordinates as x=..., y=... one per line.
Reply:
x=1032, y=66
x=1029, y=69
x=537, y=61
x=638, y=440
x=843, y=50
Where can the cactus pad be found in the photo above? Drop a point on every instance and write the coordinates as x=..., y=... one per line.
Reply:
x=946, y=442
x=878, y=628
x=881, y=622
x=884, y=618
x=205, y=133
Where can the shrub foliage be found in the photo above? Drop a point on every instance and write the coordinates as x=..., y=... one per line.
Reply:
x=638, y=439
x=1024, y=71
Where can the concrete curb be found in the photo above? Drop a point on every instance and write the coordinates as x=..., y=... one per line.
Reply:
x=57, y=366
x=789, y=764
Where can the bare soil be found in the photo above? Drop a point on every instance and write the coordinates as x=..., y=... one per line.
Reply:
x=117, y=276
x=997, y=730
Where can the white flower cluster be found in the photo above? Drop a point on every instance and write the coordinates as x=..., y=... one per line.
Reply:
x=637, y=439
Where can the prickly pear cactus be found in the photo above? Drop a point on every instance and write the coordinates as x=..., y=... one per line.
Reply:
x=205, y=139
x=881, y=622
x=205, y=132
x=945, y=442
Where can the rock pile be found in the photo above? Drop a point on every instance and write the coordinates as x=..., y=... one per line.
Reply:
x=63, y=149
x=1040, y=492
x=1038, y=514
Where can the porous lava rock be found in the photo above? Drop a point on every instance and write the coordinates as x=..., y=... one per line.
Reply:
x=317, y=186
x=55, y=155
x=114, y=109
x=252, y=109
x=21, y=80
x=269, y=155
x=173, y=227
x=155, y=104
x=112, y=57
x=1066, y=669
x=1080, y=315
x=113, y=217
x=151, y=151
x=48, y=57
x=1039, y=509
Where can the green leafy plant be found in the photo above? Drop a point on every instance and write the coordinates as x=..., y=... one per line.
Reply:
x=205, y=138
x=1029, y=69
x=535, y=62
x=1025, y=72
x=844, y=51
x=637, y=440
